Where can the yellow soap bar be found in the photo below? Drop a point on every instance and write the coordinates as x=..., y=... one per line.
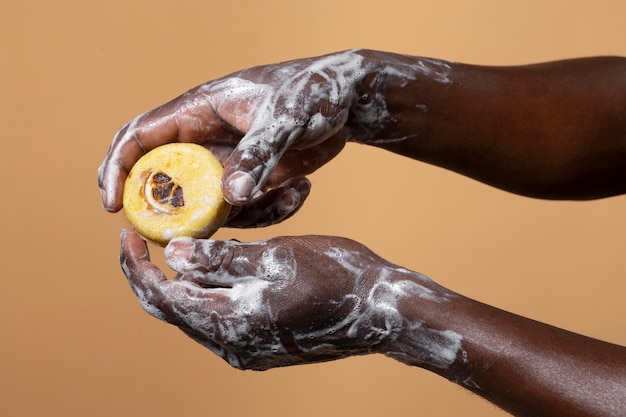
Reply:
x=175, y=190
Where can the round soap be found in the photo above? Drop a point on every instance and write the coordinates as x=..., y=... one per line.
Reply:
x=175, y=190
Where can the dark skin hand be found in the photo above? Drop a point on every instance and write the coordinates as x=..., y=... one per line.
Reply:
x=555, y=130
x=267, y=304
x=265, y=148
x=264, y=304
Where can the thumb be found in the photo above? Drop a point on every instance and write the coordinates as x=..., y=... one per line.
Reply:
x=254, y=159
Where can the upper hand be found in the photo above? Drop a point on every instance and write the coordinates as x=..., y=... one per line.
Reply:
x=266, y=124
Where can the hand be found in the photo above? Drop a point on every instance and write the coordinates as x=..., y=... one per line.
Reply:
x=283, y=301
x=266, y=124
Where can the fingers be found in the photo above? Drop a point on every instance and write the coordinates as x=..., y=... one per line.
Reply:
x=217, y=115
x=212, y=263
x=252, y=162
x=129, y=144
x=144, y=277
x=264, y=157
x=189, y=118
x=168, y=300
x=272, y=207
x=232, y=264
x=299, y=162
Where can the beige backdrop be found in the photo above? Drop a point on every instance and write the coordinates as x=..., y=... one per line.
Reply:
x=74, y=340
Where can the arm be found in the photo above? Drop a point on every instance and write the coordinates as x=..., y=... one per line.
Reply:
x=267, y=304
x=554, y=130
x=523, y=366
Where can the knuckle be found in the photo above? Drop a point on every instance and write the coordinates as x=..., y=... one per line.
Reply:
x=213, y=254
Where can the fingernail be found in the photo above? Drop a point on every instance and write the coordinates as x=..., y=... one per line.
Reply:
x=240, y=185
x=180, y=248
x=105, y=200
x=304, y=186
x=289, y=202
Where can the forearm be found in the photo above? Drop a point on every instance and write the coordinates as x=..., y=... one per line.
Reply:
x=523, y=366
x=553, y=130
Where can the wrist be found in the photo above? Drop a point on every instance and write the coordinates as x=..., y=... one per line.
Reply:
x=418, y=309
x=394, y=97
x=369, y=112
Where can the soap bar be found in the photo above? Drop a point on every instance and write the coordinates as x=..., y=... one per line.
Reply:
x=175, y=190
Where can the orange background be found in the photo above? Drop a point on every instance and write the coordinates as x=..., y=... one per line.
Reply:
x=74, y=340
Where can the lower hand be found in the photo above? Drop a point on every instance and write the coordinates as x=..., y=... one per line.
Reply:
x=278, y=302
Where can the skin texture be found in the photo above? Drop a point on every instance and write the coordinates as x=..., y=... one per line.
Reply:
x=247, y=302
x=554, y=130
